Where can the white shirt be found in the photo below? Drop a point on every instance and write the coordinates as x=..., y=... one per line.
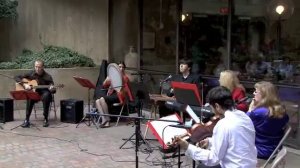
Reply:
x=232, y=143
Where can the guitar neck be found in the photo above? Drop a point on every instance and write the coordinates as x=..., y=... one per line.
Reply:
x=41, y=86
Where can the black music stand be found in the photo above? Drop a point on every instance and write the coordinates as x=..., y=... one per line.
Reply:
x=187, y=94
x=137, y=133
x=25, y=95
x=141, y=96
x=89, y=85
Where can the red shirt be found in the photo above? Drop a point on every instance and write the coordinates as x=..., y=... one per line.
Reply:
x=238, y=94
x=122, y=92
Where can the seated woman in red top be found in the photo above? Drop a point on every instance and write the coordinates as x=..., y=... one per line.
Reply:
x=111, y=97
x=229, y=79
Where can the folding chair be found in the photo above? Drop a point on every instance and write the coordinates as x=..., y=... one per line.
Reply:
x=293, y=109
x=279, y=159
x=277, y=152
x=128, y=98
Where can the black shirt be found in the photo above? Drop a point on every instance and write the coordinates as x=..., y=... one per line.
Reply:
x=43, y=79
x=191, y=78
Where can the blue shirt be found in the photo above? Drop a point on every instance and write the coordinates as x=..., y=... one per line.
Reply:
x=269, y=131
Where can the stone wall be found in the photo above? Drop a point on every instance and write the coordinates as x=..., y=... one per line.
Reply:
x=79, y=25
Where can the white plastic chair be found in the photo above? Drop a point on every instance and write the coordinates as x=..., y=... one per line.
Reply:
x=280, y=154
x=279, y=159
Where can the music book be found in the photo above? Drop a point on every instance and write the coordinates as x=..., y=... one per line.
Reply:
x=186, y=93
x=192, y=114
x=163, y=132
x=25, y=95
x=84, y=82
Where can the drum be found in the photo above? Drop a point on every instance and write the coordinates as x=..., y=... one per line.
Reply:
x=115, y=75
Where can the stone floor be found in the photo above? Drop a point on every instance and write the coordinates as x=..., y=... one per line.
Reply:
x=62, y=145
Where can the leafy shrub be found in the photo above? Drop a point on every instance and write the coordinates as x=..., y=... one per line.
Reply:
x=53, y=57
x=8, y=9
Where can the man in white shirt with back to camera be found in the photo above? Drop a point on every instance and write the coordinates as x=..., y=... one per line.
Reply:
x=232, y=144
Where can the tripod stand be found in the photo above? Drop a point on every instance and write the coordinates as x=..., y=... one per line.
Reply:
x=89, y=85
x=25, y=95
x=137, y=133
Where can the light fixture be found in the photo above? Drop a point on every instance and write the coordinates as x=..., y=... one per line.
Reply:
x=183, y=17
x=279, y=9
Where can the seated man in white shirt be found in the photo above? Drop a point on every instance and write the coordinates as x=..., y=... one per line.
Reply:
x=232, y=144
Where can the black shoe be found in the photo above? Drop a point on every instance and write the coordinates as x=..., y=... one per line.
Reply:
x=46, y=124
x=26, y=124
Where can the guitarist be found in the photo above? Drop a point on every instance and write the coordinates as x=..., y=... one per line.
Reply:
x=42, y=78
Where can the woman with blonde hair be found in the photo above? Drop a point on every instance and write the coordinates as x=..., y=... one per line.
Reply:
x=229, y=79
x=269, y=118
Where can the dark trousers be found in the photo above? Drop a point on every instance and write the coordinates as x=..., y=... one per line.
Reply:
x=46, y=98
x=200, y=165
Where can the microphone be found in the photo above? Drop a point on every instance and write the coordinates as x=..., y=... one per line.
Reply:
x=246, y=99
x=139, y=73
x=112, y=87
x=206, y=110
x=181, y=126
x=167, y=78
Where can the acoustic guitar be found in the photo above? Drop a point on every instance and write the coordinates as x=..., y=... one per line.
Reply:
x=34, y=85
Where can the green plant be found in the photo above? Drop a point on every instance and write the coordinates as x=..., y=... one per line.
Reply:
x=8, y=9
x=53, y=56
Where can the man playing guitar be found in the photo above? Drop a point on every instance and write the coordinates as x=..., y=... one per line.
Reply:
x=42, y=78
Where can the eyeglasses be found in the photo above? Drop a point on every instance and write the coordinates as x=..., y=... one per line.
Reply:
x=256, y=92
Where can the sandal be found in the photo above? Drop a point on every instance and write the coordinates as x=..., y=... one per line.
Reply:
x=106, y=124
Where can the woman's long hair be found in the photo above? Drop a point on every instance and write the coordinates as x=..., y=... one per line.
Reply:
x=229, y=79
x=270, y=99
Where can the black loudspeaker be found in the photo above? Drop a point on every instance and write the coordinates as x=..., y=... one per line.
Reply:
x=71, y=110
x=6, y=110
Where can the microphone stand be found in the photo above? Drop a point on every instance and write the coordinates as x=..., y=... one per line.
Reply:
x=163, y=81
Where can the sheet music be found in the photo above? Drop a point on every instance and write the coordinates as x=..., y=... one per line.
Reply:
x=190, y=111
x=163, y=132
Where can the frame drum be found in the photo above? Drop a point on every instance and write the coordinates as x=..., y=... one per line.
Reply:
x=115, y=76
